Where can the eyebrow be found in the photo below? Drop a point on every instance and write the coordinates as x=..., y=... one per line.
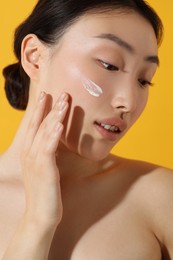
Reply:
x=127, y=46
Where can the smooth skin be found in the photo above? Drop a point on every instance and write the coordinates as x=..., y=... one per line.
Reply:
x=63, y=196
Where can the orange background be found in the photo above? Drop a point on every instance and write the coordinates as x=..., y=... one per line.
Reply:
x=151, y=138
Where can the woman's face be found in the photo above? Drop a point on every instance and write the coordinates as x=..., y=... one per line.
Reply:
x=106, y=63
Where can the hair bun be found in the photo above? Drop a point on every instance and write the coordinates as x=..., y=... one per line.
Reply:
x=16, y=86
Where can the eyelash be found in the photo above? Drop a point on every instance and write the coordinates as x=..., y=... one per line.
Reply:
x=109, y=66
x=143, y=83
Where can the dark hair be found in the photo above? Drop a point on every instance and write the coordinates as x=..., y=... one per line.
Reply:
x=49, y=21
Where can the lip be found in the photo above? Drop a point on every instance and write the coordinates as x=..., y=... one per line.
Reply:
x=112, y=136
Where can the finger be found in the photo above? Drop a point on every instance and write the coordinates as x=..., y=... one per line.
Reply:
x=36, y=120
x=57, y=112
x=52, y=138
x=47, y=138
x=42, y=110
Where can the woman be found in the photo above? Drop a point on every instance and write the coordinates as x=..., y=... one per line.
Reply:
x=83, y=75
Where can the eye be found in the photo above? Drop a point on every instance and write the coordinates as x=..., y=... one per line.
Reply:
x=145, y=83
x=109, y=66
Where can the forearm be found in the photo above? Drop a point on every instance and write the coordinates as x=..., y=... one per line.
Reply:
x=31, y=241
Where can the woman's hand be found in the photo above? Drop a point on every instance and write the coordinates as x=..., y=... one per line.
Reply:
x=40, y=172
x=43, y=213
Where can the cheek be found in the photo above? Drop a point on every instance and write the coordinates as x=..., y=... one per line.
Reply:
x=142, y=102
x=81, y=83
x=76, y=78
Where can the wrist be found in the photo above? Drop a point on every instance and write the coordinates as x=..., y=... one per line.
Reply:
x=40, y=226
x=41, y=221
x=40, y=233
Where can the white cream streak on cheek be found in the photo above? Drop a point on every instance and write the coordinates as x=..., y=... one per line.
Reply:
x=92, y=87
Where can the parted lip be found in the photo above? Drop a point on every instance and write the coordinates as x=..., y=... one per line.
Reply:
x=114, y=121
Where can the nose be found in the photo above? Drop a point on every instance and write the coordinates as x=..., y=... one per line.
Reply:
x=124, y=98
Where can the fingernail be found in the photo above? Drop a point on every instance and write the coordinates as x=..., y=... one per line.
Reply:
x=62, y=105
x=63, y=96
x=42, y=95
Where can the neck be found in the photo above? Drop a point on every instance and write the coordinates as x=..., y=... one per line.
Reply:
x=73, y=166
x=10, y=159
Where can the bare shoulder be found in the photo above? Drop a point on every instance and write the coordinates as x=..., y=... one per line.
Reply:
x=158, y=188
x=149, y=184
x=152, y=182
x=155, y=181
x=152, y=193
x=145, y=173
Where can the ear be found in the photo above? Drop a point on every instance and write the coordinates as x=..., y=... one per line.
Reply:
x=31, y=53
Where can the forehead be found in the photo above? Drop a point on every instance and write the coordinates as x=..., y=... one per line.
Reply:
x=130, y=26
